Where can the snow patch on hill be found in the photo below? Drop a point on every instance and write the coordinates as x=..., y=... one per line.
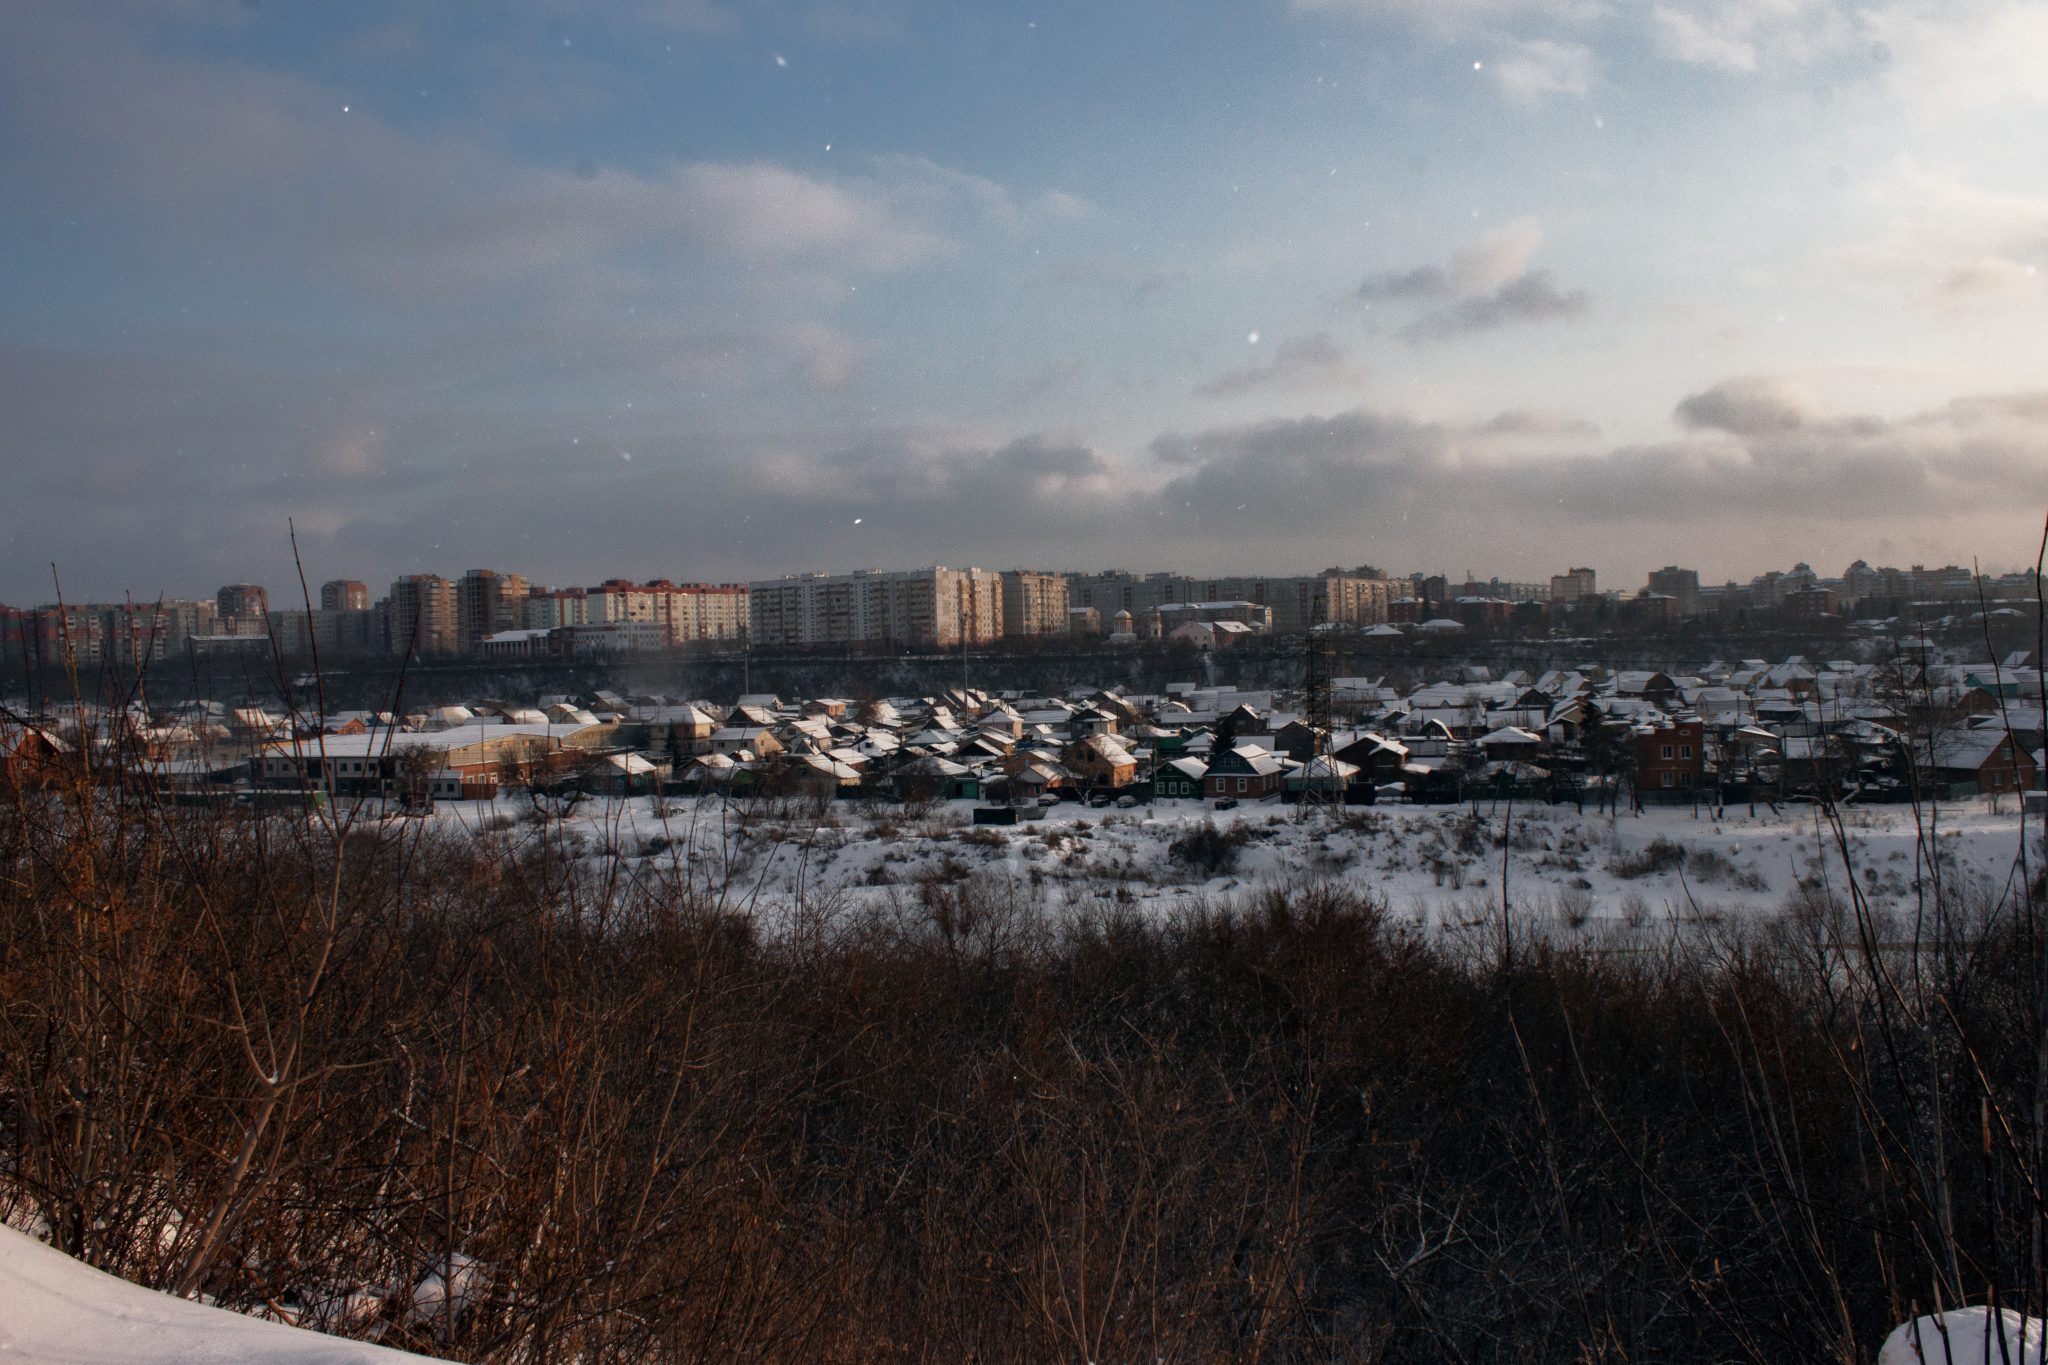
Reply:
x=58, y=1311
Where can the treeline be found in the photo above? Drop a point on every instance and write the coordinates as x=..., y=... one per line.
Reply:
x=333, y=1073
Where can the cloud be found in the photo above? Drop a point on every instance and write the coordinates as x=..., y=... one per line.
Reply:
x=1760, y=465
x=1310, y=362
x=1531, y=71
x=1960, y=56
x=1952, y=243
x=383, y=478
x=1746, y=35
x=1402, y=286
x=218, y=157
x=1530, y=297
x=1484, y=286
x=1452, y=18
x=1544, y=54
x=918, y=183
x=827, y=358
x=1688, y=37
x=1753, y=406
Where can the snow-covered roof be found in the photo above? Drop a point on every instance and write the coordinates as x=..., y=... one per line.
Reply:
x=1511, y=734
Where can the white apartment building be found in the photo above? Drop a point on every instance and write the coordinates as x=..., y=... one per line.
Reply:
x=932, y=608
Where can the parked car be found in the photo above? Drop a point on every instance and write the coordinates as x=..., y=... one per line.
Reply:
x=1226, y=803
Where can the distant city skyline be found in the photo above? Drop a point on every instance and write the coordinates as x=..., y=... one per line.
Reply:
x=720, y=289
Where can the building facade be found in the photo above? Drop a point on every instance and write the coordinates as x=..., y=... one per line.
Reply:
x=915, y=608
x=1681, y=585
x=1034, y=603
x=242, y=609
x=1573, y=585
x=344, y=594
x=487, y=602
x=421, y=616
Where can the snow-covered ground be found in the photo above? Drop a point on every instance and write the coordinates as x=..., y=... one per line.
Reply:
x=1966, y=1336
x=58, y=1311
x=1438, y=864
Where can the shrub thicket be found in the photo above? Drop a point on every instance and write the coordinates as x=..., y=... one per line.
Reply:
x=304, y=1071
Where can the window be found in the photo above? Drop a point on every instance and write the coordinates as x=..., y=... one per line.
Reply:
x=1241, y=784
x=1685, y=751
x=1667, y=752
x=1666, y=777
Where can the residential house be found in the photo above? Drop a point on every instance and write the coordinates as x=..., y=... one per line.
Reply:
x=1989, y=759
x=1245, y=771
x=1670, y=756
x=1178, y=779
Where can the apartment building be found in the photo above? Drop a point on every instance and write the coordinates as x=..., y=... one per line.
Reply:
x=1301, y=602
x=92, y=633
x=1034, y=603
x=1682, y=586
x=487, y=602
x=547, y=609
x=683, y=613
x=242, y=609
x=344, y=594
x=421, y=616
x=936, y=607
x=1573, y=585
x=336, y=632
x=1116, y=590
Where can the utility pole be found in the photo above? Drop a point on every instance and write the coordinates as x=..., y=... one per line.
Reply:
x=1318, y=663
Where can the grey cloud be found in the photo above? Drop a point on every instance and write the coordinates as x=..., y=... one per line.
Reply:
x=181, y=476
x=1402, y=286
x=1530, y=297
x=1310, y=362
x=1525, y=422
x=1385, y=473
x=226, y=160
x=1746, y=407
x=1763, y=406
x=1486, y=285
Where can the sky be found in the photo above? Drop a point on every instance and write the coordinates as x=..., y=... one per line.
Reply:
x=724, y=289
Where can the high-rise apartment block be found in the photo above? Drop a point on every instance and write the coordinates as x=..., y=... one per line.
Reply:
x=242, y=609
x=487, y=602
x=1034, y=603
x=344, y=594
x=682, y=613
x=421, y=616
x=1680, y=585
x=936, y=607
x=1297, y=601
x=548, y=609
x=1572, y=585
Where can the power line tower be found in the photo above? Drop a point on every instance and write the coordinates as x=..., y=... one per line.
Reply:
x=1320, y=786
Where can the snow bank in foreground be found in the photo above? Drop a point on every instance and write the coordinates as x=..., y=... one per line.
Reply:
x=1966, y=1336
x=57, y=1311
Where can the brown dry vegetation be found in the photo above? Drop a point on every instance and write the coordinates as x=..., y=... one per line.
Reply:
x=277, y=1062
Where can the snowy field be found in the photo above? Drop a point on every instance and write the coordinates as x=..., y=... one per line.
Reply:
x=1437, y=864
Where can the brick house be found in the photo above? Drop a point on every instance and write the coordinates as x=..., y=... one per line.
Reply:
x=1670, y=756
